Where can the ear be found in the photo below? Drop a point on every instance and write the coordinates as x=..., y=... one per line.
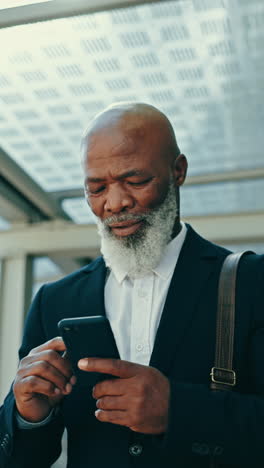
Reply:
x=179, y=169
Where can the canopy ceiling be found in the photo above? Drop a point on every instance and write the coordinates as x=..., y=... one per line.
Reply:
x=199, y=61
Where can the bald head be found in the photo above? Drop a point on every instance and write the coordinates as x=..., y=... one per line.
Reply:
x=139, y=121
x=130, y=160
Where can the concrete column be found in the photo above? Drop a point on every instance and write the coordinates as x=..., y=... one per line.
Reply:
x=16, y=286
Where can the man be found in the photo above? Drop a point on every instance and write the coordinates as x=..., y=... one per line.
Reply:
x=157, y=283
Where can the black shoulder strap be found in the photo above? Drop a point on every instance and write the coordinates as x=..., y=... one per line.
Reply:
x=223, y=376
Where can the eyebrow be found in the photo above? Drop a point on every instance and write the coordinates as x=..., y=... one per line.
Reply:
x=131, y=173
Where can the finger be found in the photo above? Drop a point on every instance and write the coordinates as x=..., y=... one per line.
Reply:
x=33, y=384
x=116, y=367
x=114, y=417
x=46, y=371
x=57, y=344
x=114, y=387
x=52, y=357
x=111, y=403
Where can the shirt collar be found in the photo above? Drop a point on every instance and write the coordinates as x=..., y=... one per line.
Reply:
x=120, y=275
x=168, y=260
x=171, y=254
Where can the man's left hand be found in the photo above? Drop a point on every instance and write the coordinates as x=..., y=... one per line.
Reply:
x=139, y=399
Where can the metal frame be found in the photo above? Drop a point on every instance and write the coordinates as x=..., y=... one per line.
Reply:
x=50, y=238
x=231, y=229
x=228, y=176
x=14, y=207
x=35, y=199
x=16, y=283
x=61, y=9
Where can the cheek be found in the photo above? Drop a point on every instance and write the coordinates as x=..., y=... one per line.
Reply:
x=153, y=196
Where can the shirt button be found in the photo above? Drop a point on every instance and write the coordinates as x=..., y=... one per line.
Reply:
x=135, y=449
x=142, y=293
x=139, y=347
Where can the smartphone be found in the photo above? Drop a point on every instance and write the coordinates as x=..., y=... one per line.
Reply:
x=88, y=337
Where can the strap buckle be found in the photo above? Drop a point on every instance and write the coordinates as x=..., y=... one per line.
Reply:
x=223, y=376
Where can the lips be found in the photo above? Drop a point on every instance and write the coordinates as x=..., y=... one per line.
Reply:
x=125, y=228
x=124, y=224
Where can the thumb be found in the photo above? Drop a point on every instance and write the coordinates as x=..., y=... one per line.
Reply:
x=116, y=367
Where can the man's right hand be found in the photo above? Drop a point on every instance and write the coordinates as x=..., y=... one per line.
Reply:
x=42, y=380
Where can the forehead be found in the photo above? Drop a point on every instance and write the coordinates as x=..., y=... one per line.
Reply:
x=118, y=148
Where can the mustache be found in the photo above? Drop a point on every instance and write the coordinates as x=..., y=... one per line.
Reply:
x=124, y=217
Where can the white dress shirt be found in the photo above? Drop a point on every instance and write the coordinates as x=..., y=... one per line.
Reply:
x=134, y=307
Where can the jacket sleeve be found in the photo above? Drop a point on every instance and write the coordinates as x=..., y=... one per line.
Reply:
x=23, y=448
x=223, y=426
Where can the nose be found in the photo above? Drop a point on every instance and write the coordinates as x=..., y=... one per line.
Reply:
x=117, y=200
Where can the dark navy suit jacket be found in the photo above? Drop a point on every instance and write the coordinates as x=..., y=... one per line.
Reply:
x=203, y=425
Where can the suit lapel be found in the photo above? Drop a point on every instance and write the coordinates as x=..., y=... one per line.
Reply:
x=193, y=269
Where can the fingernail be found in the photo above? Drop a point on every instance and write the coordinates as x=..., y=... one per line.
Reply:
x=83, y=363
x=57, y=390
x=73, y=380
x=68, y=388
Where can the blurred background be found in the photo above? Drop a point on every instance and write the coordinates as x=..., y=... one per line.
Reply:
x=199, y=61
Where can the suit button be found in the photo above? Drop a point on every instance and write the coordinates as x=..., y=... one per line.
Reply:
x=200, y=449
x=218, y=450
x=204, y=449
x=5, y=443
x=135, y=449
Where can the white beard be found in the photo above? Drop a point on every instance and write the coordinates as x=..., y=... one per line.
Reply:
x=139, y=253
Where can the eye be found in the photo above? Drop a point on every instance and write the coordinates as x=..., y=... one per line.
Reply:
x=142, y=182
x=92, y=191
